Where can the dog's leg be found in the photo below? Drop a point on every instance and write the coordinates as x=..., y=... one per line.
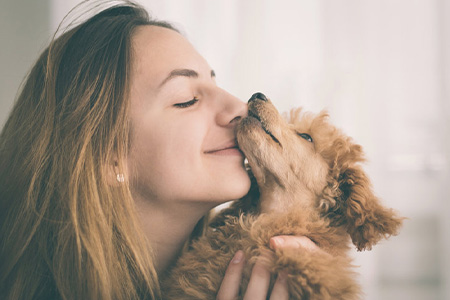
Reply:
x=325, y=273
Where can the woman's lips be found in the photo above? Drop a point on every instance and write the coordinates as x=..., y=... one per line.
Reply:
x=229, y=149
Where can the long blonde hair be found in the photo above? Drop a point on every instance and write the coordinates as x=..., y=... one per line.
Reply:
x=66, y=231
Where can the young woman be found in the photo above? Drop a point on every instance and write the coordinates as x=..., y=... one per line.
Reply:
x=119, y=143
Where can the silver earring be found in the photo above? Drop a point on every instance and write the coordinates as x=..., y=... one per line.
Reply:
x=120, y=178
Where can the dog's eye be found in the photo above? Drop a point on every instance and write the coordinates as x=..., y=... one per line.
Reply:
x=306, y=137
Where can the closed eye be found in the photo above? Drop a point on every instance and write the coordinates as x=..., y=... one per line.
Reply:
x=186, y=104
x=306, y=137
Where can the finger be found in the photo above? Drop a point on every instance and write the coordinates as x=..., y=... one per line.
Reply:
x=229, y=289
x=294, y=242
x=259, y=283
x=280, y=289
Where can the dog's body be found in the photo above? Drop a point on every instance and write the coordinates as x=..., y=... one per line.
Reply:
x=309, y=184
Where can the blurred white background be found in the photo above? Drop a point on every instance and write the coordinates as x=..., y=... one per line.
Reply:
x=381, y=68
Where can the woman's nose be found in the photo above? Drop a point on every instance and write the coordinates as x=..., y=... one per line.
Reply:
x=232, y=110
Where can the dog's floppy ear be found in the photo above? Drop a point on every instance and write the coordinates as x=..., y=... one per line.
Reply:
x=367, y=220
x=350, y=202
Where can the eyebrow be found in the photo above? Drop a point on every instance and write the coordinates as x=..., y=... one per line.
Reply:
x=182, y=73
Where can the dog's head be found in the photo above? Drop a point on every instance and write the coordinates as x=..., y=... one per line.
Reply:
x=307, y=162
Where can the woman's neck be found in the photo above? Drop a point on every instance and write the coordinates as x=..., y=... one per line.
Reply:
x=168, y=227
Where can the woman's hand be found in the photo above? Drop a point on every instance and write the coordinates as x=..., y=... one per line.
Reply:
x=260, y=278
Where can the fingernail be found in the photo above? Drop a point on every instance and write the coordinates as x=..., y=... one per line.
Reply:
x=276, y=242
x=282, y=276
x=238, y=257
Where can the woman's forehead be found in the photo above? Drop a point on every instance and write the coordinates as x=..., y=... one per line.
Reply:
x=154, y=44
x=158, y=50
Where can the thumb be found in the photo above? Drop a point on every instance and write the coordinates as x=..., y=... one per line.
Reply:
x=292, y=242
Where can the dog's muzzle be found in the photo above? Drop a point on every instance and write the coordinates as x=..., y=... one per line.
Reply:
x=259, y=96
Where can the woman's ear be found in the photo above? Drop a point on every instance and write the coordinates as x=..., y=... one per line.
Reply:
x=115, y=175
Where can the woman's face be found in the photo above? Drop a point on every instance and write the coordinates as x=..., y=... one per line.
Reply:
x=183, y=144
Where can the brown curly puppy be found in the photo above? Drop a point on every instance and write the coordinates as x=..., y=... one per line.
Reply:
x=309, y=182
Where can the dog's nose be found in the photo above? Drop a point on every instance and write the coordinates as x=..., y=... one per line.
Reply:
x=259, y=96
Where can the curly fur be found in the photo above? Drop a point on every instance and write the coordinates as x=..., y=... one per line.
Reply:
x=315, y=189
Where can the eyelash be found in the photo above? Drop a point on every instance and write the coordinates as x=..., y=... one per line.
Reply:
x=186, y=104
